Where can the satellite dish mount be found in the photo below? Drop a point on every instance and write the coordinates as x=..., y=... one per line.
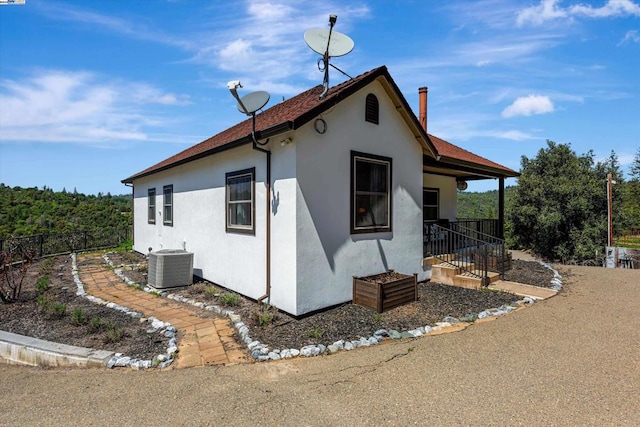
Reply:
x=249, y=104
x=328, y=43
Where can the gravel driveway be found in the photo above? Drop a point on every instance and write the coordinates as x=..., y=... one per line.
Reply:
x=571, y=360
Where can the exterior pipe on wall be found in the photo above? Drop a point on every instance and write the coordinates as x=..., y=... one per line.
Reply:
x=267, y=294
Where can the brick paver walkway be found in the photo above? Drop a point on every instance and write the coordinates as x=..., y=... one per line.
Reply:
x=201, y=340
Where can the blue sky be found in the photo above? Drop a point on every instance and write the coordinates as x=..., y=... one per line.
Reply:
x=92, y=91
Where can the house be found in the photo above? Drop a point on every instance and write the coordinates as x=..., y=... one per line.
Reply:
x=331, y=188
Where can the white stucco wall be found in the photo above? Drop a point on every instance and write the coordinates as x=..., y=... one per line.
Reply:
x=448, y=194
x=328, y=256
x=236, y=261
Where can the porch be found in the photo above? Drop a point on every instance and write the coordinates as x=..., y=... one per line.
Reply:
x=465, y=252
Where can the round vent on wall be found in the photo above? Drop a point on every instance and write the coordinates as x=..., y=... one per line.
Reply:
x=462, y=185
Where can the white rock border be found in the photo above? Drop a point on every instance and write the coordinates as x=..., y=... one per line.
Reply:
x=262, y=353
x=157, y=326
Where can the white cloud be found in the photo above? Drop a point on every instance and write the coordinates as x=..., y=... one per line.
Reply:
x=548, y=10
x=630, y=37
x=79, y=107
x=529, y=105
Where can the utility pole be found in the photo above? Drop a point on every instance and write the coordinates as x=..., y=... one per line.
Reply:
x=610, y=183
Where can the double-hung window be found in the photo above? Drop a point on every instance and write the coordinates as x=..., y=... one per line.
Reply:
x=430, y=204
x=370, y=193
x=151, y=205
x=168, y=204
x=240, y=199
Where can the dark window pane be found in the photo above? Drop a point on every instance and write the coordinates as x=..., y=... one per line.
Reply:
x=371, y=210
x=430, y=213
x=430, y=198
x=371, y=177
x=240, y=214
x=240, y=188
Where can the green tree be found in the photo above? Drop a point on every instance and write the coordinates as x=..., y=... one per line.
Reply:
x=559, y=208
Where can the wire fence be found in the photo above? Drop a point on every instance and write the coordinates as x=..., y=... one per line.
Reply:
x=42, y=245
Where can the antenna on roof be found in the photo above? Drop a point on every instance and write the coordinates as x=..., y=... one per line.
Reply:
x=249, y=104
x=328, y=43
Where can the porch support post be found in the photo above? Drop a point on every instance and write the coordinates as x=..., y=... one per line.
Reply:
x=501, y=208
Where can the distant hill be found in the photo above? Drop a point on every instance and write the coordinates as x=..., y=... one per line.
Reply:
x=28, y=211
x=482, y=205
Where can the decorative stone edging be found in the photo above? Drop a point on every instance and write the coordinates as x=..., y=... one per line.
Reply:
x=261, y=352
x=157, y=326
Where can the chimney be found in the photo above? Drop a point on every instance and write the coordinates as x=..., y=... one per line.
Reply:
x=422, y=92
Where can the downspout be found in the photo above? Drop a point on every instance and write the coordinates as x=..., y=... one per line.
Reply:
x=255, y=144
x=133, y=220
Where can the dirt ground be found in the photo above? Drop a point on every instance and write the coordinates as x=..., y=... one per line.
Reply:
x=35, y=315
x=276, y=329
x=570, y=360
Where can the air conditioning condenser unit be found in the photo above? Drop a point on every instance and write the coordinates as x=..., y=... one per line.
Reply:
x=170, y=268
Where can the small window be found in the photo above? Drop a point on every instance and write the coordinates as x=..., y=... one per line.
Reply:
x=151, y=204
x=430, y=204
x=168, y=204
x=370, y=193
x=372, y=109
x=240, y=201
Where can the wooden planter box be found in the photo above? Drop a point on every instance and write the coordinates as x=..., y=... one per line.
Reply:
x=384, y=291
x=495, y=262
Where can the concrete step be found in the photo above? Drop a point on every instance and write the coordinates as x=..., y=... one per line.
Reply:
x=523, y=290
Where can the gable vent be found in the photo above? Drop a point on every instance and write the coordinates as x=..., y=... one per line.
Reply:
x=372, y=109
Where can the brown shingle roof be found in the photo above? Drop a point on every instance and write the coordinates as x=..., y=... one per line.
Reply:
x=449, y=151
x=297, y=111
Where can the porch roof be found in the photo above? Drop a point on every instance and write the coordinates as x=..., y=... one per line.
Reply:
x=463, y=164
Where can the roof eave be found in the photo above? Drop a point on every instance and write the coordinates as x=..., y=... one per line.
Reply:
x=495, y=172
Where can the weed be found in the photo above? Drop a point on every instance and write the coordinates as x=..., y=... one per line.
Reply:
x=230, y=299
x=315, y=333
x=79, y=317
x=46, y=266
x=130, y=257
x=377, y=317
x=96, y=324
x=42, y=284
x=197, y=288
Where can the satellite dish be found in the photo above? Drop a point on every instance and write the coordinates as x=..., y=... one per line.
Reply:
x=332, y=43
x=328, y=43
x=253, y=102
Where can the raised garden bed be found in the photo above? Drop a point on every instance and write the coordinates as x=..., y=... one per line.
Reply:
x=384, y=291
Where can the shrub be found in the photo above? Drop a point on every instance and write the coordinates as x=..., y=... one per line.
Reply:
x=211, y=292
x=230, y=299
x=12, y=275
x=79, y=317
x=42, y=284
x=113, y=334
x=96, y=324
x=58, y=309
x=43, y=302
x=197, y=288
x=264, y=316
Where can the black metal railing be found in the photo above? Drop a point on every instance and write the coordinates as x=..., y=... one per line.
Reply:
x=463, y=245
x=43, y=245
x=486, y=226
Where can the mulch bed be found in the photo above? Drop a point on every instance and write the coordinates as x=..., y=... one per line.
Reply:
x=276, y=329
x=28, y=317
